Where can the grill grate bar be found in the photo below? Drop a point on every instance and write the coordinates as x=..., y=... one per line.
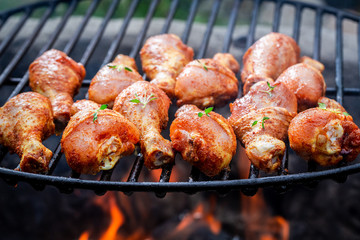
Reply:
x=277, y=16
x=141, y=35
x=136, y=168
x=55, y=159
x=317, y=41
x=119, y=37
x=248, y=186
x=339, y=60
x=57, y=153
x=231, y=26
x=170, y=16
x=72, y=42
x=209, y=28
x=9, y=68
x=253, y=174
x=190, y=20
x=253, y=171
x=358, y=44
x=5, y=43
x=166, y=170
x=251, y=35
x=48, y=45
x=297, y=21
x=94, y=42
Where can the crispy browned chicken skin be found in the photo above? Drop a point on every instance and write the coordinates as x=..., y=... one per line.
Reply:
x=111, y=79
x=227, y=60
x=162, y=58
x=325, y=136
x=306, y=82
x=207, y=142
x=91, y=146
x=260, y=121
x=147, y=107
x=267, y=58
x=58, y=77
x=26, y=120
x=204, y=83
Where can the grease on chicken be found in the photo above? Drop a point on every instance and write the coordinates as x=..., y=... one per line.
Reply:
x=227, y=60
x=207, y=142
x=325, y=136
x=306, y=82
x=260, y=121
x=26, y=120
x=147, y=107
x=267, y=58
x=112, y=78
x=163, y=57
x=204, y=83
x=58, y=77
x=94, y=145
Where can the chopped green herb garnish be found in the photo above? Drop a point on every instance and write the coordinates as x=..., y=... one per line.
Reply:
x=207, y=111
x=271, y=88
x=104, y=106
x=143, y=100
x=120, y=67
x=202, y=64
x=323, y=106
x=262, y=122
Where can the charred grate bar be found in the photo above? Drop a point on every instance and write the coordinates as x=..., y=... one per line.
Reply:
x=195, y=183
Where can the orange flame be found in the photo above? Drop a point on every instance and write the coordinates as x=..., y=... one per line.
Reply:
x=259, y=222
x=84, y=236
x=199, y=213
x=117, y=219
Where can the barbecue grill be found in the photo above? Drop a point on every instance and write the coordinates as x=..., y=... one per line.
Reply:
x=12, y=67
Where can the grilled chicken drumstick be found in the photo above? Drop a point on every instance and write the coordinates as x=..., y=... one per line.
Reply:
x=207, y=142
x=111, y=79
x=147, y=107
x=58, y=77
x=92, y=143
x=260, y=121
x=306, y=82
x=326, y=134
x=26, y=120
x=267, y=58
x=204, y=83
x=163, y=57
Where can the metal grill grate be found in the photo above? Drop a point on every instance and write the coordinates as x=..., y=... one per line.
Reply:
x=225, y=182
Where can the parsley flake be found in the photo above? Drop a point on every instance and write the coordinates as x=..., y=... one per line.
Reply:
x=207, y=111
x=271, y=88
x=202, y=64
x=143, y=100
x=103, y=107
x=262, y=122
x=323, y=106
x=120, y=67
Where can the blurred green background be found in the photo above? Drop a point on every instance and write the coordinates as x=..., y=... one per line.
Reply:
x=162, y=8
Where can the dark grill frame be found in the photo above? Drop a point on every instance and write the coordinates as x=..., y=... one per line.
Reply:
x=248, y=186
